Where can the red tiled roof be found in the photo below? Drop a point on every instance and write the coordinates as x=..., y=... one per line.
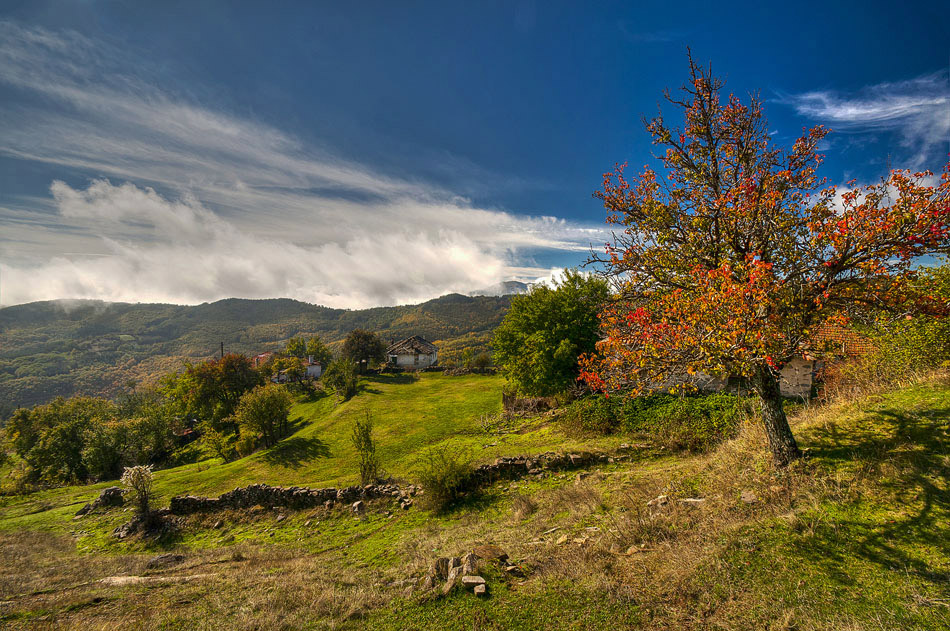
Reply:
x=841, y=341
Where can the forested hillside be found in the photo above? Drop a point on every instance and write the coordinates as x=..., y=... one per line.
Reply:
x=65, y=347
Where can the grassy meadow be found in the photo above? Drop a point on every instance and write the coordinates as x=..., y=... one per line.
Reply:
x=854, y=537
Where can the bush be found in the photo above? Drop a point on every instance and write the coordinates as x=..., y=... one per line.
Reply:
x=139, y=481
x=366, y=449
x=445, y=476
x=693, y=423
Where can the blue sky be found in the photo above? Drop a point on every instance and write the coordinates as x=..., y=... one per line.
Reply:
x=393, y=152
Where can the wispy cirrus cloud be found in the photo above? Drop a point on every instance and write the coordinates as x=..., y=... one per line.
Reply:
x=188, y=203
x=917, y=109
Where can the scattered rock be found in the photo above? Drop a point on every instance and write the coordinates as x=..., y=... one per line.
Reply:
x=281, y=517
x=440, y=568
x=110, y=496
x=358, y=506
x=480, y=590
x=164, y=560
x=119, y=581
x=470, y=581
x=307, y=523
x=218, y=524
x=491, y=552
x=406, y=504
x=470, y=563
x=748, y=497
x=581, y=475
x=561, y=540
x=691, y=501
x=660, y=500
x=451, y=579
x=514, y=570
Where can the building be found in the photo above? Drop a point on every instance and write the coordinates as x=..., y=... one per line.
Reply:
x=263, y=358
x=413, y=353
x=830, y=345
x=314, y=369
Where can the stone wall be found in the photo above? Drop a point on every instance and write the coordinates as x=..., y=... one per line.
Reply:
x=294, y=497
x=796, y=378
x=302, y=498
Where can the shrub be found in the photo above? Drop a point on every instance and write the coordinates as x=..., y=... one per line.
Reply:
x=694, y=423
x=366, y=449
x=139, y=480
x=444, y=475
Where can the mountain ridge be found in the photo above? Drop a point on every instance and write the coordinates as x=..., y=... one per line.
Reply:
x=61, y=348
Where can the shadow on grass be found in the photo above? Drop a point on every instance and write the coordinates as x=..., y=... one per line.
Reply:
x=297, y=451
x=904, y=454
x=397, y=378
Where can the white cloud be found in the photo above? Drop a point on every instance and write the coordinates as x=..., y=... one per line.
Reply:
x=917, y=109
x=191, y=204
x=192, y=255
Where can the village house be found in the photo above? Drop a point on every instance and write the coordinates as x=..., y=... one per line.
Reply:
x=314, y=369
x=413, y=353
x=260, y=360
x=830, y=344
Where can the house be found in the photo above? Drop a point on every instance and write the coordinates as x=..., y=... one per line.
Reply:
x=314, y=369
x=830, y=344
x=413, y=353
x=263, y=358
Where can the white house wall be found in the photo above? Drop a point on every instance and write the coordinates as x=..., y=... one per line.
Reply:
x=409, y=361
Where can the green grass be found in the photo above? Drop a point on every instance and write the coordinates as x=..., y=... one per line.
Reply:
x=855, y=538
x=409, y=414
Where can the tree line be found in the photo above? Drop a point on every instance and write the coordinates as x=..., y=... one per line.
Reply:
x=226, y=406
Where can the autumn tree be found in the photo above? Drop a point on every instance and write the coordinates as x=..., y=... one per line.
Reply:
x=364, y=347
x=728, y=259
x=539, y=340
x=210, y=391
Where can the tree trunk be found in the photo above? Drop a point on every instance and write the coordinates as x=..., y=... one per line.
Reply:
x=781, y=441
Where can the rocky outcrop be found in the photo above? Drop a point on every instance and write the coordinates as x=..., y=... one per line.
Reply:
x=464, y=570
x=110, y=496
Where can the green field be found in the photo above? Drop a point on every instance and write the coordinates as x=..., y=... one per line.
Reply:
x=855, y=537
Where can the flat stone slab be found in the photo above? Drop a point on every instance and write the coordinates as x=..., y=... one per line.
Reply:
x=471, y=581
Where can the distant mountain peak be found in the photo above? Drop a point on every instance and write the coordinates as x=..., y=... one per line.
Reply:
x=504, y=288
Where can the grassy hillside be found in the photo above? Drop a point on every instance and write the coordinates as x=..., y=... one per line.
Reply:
x=855, y=537
x=90, y=347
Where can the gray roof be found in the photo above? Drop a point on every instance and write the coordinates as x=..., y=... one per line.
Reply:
x=414, y=345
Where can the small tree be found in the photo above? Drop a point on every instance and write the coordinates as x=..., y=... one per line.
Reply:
x=729, y=260
x=544, y=332
x=263, y=413
x=139, y=480
x=342, y=378
x=481, y=361
x=366, y=449
x=319, y=351
x=364, y=347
